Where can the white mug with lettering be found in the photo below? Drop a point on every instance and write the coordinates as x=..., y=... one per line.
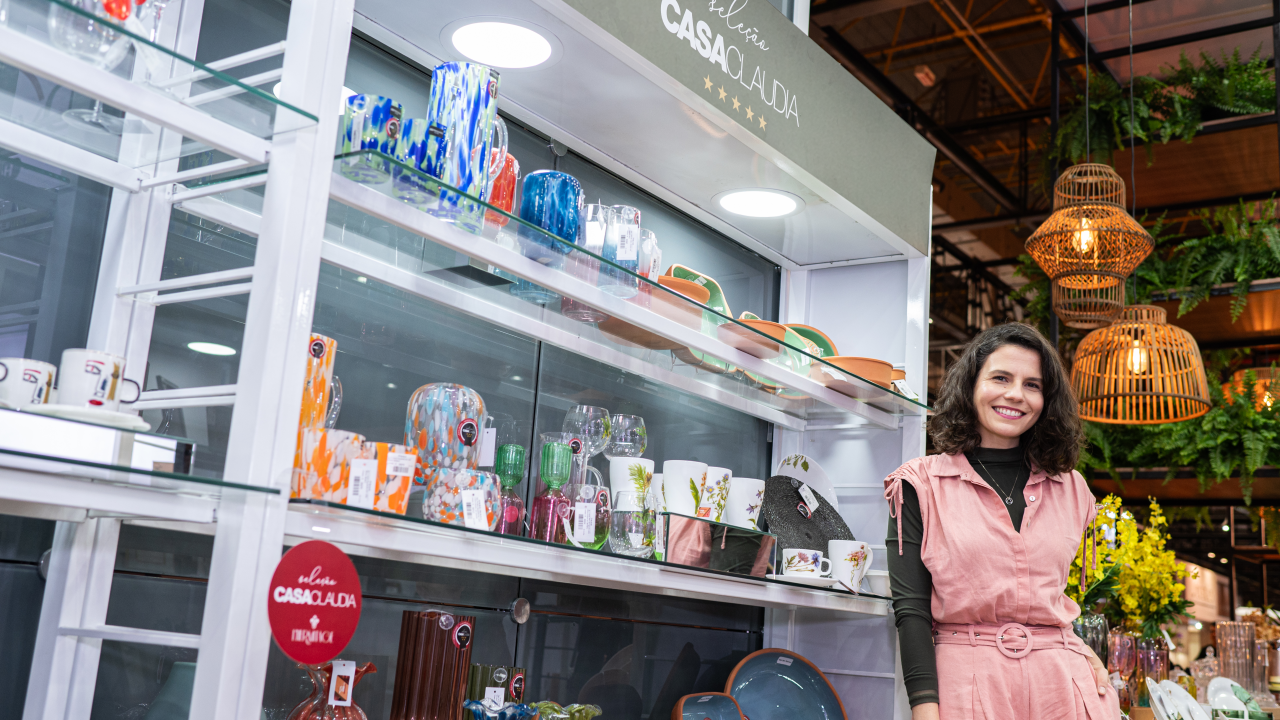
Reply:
x=25, y=382
x=93, y=379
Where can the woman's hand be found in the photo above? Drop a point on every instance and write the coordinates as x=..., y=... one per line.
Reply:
x=1099, y=671
x=925, y=711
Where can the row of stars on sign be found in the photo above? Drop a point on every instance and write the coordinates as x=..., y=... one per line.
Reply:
x=736, y=104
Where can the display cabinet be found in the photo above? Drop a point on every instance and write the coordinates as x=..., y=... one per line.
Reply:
x=237, y=220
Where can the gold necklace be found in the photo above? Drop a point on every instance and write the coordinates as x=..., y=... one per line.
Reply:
x=1008, y=498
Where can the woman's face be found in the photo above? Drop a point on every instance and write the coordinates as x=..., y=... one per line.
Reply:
x=1009, y=395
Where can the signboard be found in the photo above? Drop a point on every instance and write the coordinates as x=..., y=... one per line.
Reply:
x=314, y=602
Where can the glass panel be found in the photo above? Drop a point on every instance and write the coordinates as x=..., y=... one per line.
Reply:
x=197, y=246
x=62, y=26
x=163, y=552
x=659, y=305
x=122, y=476
x=390, y=343
x=630, y=669
x=621, y=605
x=51, y=229
x=24, y=539
x=21, y=592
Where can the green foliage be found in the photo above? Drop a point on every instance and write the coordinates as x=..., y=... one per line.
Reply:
x=1243, y=245
x=1226, y=84
x=1161, y=110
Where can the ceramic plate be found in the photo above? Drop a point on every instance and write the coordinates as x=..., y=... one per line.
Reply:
x=707, y=706
x=824, y=582
x=808, y=471
x=1159, y=705
x=121, y=420
x=1221, y=696
x=1186, y=704
x=776, y=684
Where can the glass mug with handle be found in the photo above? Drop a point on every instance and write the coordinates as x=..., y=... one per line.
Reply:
x=24, y=382
x=590, y=426
x=93, y=379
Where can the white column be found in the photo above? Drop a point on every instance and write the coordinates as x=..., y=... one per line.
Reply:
x=235, y=635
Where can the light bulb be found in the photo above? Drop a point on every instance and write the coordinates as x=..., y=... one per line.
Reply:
x=1139, y=360
x=1084, y=238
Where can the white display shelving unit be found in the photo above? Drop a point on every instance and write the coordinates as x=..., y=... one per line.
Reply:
x=285, y=146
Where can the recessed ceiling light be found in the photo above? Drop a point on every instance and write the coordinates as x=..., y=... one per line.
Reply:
x=209, y=348
x=502, y=45
x=1223, y=561
x=760, y=203
x=1212, y=556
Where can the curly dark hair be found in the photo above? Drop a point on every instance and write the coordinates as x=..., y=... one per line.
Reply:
x=1053, y=444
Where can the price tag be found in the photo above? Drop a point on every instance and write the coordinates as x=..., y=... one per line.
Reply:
x=593, y=236
x=344, y=679
x=784, y=660
x=809, y=498
x=655, y=263
x=474, y=515
x=495, y=696
x=629, y=244
x=363, y=483
x=584, y=522
x=637, y=539
x=488, y=446
x=401, y=463
x=902, y=388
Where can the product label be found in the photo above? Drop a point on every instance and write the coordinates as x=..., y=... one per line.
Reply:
x=488, y=447
x=473, y=512
x=575, y=445
x=655, y=263
x=393, y=123
x=785, y=661
x=584, y=522
x=637, y=539
x=462, y=635
x=344, y=678
x=317, y=349
x=401, y=463
x=809, y=498
x=495, y=696
x=314, y=602
x=468, y=432
x=629, y=244
x=363, y=484
x=593, y=236
x=517, y=688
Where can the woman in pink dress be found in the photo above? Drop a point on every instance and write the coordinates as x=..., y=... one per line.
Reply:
x=981, y=541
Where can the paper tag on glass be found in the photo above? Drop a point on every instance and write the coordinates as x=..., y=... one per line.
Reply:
x=809, y=498
x=593, y=232
x=784, y=660
x=363, y=483
x=584, y=522
x=401, y=463
x=901, y=387
x=637, y=539
x=629, y=244
x=474, y=515
x=655, y=263
x=488, y=447
x=495, y=696
x=344, y=679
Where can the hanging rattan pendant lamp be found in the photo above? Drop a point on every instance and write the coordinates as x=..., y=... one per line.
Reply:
x=1140, y=371
x=1089, y=245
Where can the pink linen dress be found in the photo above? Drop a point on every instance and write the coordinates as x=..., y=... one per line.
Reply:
x=1002, y=624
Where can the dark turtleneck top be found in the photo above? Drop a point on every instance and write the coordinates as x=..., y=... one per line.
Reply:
x=912, y=584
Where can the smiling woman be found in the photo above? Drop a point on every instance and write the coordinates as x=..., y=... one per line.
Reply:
x=980, y=529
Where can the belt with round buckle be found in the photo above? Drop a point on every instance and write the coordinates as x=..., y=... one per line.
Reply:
x=1015, y=654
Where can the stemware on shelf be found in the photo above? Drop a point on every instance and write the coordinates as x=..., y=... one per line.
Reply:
x=627, y=437
x=1122, y=658
x=1235, y=650
x=591, y=429
x=585, y=521
x=95, y=42
x=509, y=465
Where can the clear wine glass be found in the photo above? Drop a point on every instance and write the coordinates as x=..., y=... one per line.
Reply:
x=627, y=437
x=92, y=38
x=631, y=525
x=590, y=426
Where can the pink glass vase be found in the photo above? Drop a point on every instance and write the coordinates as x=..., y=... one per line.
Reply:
x=316, y=705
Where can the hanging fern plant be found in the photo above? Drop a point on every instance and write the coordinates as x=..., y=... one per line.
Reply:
x=1226, y=86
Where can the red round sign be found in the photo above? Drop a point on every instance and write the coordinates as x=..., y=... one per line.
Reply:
x=314, y=602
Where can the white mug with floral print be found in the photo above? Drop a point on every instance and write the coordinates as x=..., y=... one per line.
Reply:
x=850, y=560
x=715, y=493
x=746, y=495
x=797, y=561
x=628, y=474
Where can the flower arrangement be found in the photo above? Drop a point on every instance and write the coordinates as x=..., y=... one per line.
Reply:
x=1139, y=579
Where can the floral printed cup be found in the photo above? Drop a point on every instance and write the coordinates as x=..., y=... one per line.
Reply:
x=682, y=482
x=630, y=474
x=746, y=495
x=850, y=560
x=715, y=493
x=798, y=561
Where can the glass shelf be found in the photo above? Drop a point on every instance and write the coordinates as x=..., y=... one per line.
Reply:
x=52, y=39
x=456, y=250
x=527, y=557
